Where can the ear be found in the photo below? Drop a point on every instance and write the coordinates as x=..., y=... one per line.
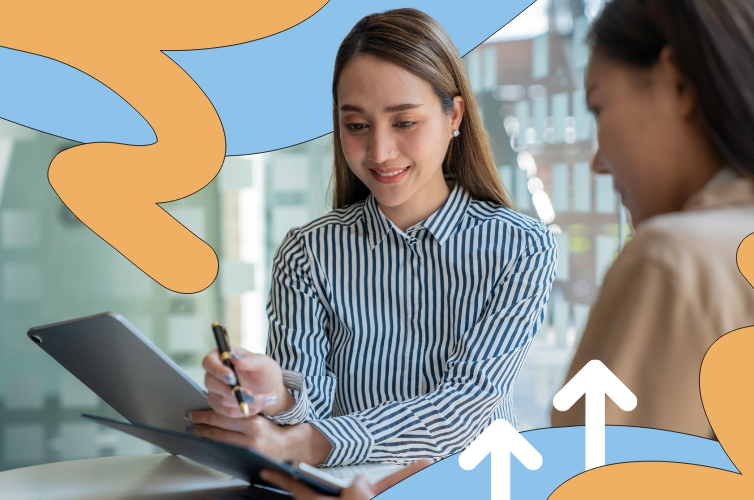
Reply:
x=680, y=85
x=457, y=115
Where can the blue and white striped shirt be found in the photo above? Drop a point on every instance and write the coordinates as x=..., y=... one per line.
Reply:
x=409, y=343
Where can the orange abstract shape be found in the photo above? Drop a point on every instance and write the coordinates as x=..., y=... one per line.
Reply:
x=114, y=188
x=726, y=384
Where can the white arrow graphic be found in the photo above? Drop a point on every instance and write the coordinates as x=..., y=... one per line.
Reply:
x=596, y=381
x=500, y=439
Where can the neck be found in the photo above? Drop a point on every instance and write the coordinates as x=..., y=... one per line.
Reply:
x=420, y=206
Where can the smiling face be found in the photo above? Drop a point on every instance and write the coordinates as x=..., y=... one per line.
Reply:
x=394, y=134
x=649, y=132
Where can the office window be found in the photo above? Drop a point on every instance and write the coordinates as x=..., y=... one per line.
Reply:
x=582, y=187
x=540, y=65
x=506, y=176
x=521, y=191
x=605, y=198
x=581, y=115
x=605, y=247
x=539, y=115
x=474, y=70
x=559, y=114
x=523, y=115
x=564, y=257
x=560, y=187
x=580, y=48
x=490, y=68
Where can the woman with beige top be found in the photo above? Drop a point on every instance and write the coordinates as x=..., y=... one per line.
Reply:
x=670, y=84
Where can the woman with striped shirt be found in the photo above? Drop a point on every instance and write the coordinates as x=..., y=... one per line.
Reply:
x=398, y=321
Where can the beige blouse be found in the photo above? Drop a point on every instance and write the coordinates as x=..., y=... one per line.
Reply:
x=673, y=290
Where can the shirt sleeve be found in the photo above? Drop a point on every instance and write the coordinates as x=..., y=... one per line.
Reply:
x=298, y=334
x=648, y=330
x=480, y=373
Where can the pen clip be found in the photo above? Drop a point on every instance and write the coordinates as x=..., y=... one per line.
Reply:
x=227, y=339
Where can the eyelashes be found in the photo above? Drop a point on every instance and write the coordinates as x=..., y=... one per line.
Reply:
x=360, y=127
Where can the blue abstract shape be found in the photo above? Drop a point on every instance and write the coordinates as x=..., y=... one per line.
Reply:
x=270, y=93
x=562, y=451
x=47, y=95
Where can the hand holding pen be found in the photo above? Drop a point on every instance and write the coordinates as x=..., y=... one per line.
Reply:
x=239, y=383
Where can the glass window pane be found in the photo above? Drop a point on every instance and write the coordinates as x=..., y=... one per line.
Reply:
x=560, y=186
x=540, y=56
x=582, y=187
x=559, y=113
x=604, y=194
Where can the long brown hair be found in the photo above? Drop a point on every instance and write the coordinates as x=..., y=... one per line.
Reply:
x=715, y=49
x=416, y=42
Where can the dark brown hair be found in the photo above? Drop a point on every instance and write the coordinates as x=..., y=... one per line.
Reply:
x=414, y=41
x=714, y=44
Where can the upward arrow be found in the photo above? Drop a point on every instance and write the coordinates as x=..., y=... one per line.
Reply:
x=500, y=439
x=596, y=381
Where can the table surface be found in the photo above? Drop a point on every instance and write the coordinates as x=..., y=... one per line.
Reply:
x=145, y=477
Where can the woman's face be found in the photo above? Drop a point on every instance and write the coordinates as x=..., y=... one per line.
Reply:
x=394, y=132
x=650, y=139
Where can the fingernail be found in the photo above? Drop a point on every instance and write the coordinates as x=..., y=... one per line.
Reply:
x=264, y=475
x=248, y=398
x=270, y=400
x=236, y=356
x=187, y=416
x=190, y=430
x=230, y=379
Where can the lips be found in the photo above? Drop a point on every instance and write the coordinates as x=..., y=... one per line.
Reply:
x=389, y=175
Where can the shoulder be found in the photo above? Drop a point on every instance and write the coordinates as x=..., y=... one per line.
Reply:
x=295, y=241
x=691, y=238
x=509, y=224
x=344, y=217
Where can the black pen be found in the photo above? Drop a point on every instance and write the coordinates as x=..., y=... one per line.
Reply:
x=223, y=345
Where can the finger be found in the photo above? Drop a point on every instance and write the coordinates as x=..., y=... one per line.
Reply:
x=224, y=435
x=219, y=388
x=238, y=351
x=232, y=411
x=402, y=474
x=213, y=365
x=251, y=362
x=223, y=400
x=287, y=483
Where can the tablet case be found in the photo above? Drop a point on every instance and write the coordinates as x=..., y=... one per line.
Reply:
x=243, y=463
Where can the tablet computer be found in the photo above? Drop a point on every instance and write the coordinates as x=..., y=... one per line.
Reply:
x=243, y=463
x=124, y=368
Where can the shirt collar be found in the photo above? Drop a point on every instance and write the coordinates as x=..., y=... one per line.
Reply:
x=441, y=224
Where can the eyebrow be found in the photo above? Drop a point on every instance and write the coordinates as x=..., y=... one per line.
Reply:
x=389, y=109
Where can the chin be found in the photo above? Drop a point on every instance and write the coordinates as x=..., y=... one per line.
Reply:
x=389, y=197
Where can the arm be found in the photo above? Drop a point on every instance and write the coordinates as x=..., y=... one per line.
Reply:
x=479, y=375
x=652, y=336
x=298, y=335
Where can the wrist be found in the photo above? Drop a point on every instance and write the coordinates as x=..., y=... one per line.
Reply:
x=304, y=443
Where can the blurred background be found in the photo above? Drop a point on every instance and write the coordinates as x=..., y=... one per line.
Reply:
x=528, y=79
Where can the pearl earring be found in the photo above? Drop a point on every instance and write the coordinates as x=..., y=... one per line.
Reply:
x=456, y=133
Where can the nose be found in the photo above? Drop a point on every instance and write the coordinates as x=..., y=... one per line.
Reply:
x=598, y=163
x=381, y=146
